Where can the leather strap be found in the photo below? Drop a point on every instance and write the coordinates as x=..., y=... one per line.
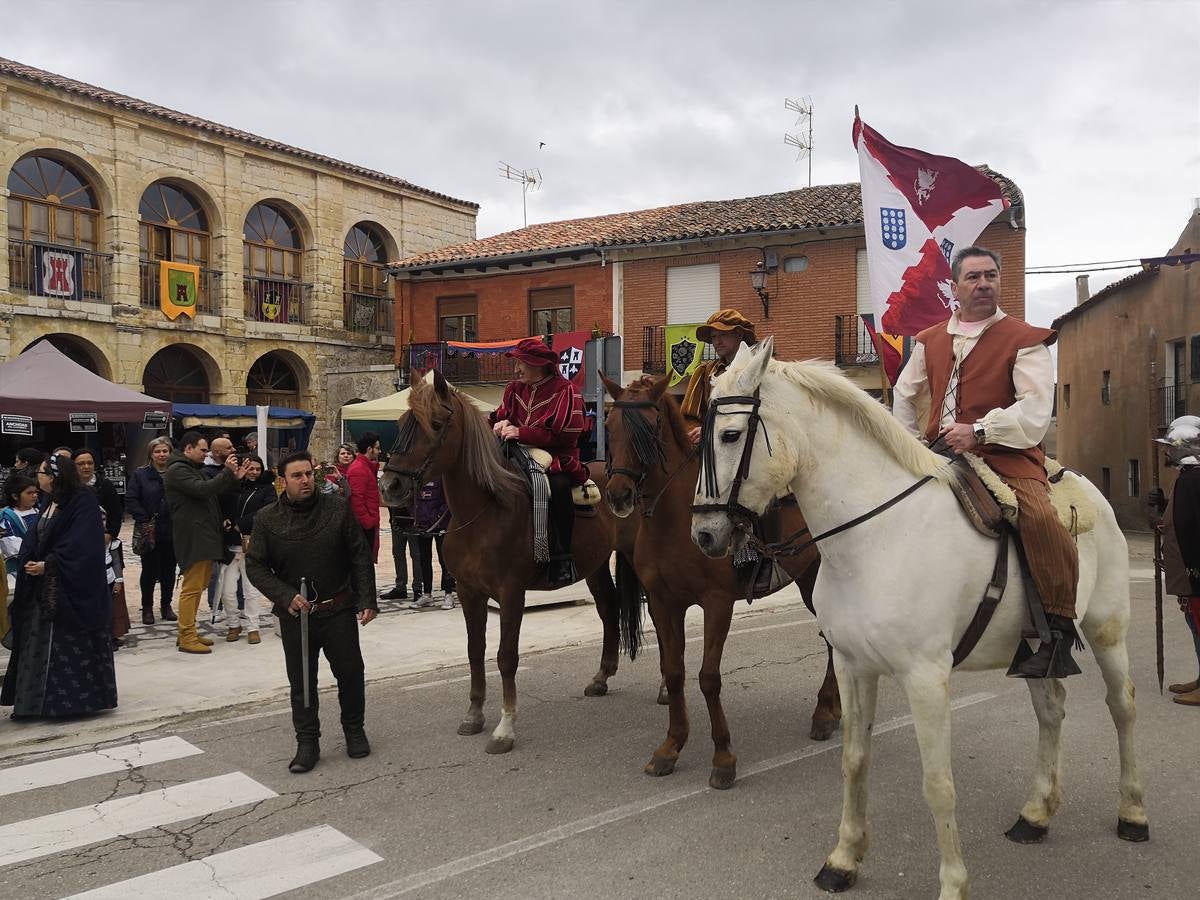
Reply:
x=1037, y=615
x=992, y=595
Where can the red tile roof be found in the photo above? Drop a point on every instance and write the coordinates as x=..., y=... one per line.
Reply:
x=120, y=101
x=821, y=206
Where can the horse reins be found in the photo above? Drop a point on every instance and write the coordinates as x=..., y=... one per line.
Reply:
x=744, y=518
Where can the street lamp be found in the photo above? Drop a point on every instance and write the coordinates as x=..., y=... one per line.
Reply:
x=758, y=281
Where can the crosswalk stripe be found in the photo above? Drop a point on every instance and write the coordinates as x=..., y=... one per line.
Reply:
x=265, y=869
x=45, y=835
x=86, y=765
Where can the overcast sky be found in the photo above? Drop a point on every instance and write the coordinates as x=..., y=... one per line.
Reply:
x=1093, y=108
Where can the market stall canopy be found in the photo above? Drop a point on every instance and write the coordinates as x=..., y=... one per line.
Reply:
x=217, y=415
x=485, y=397
x=44, y=384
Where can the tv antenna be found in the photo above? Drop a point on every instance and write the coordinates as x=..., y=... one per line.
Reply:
x=803, y=108
x=530, y=179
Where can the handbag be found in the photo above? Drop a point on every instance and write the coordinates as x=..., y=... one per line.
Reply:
x=144, y=537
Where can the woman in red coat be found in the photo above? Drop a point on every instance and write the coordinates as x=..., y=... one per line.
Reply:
x=363, y=477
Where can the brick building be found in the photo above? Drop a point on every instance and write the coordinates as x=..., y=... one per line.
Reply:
x=1129, y=363
x=634, y=273
x=292, y=309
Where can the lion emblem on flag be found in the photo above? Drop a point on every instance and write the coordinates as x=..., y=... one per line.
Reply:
x=683, y=353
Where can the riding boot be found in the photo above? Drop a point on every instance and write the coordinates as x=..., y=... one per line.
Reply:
x=308, y=751
x=357, y=745
x=1053, y=657
x=561, y=570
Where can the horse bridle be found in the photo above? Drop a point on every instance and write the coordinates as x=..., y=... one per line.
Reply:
x=417, y=476
x=650, y=455
x=745, y=518
x=742, y=515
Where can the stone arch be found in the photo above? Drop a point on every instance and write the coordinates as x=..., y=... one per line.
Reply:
x=186, y=181
x=79, y=350
x=72, y=155
x=278, y=378
x=308, y=235
x=390, y=245
x=167, y=376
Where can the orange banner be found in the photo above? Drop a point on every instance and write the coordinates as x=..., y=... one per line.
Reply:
x=178, y=289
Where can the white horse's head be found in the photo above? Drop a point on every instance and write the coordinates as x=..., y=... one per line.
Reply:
x=745, y=462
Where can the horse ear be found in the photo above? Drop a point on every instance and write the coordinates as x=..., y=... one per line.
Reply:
x=755, y=366
x=659, y=387
x=614, y=390
x=414, y=377
x=441, y=385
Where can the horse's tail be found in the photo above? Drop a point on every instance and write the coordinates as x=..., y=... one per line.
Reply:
x=629, y=606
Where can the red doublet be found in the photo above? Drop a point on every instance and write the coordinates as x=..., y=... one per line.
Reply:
x=549, y=415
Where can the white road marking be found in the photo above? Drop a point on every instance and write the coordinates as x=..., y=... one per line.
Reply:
x=45, y=835
x=265, y=869
x=616, y=814
x=86, y=765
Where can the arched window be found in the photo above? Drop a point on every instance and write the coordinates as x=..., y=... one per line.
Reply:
x=174, y=228
x=273, y=257
x=272, y=382
x=367, y=306
x=51, y=205
x=175, y=373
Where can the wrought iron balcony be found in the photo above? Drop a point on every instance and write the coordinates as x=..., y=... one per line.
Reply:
x=85, y=277
x=852, y=342
x=456, y=364
x=368, y=314
x=148, y=288
x=1169, y=403
x=276, y=301
x=654, y=350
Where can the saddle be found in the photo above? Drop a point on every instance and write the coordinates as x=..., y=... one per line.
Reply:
x=990, y=504
x=584, y=495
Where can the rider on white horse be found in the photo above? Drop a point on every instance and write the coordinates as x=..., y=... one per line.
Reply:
x=989, y=381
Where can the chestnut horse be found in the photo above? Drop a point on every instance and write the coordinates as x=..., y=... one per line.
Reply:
x=489, y=542
x=653, y=469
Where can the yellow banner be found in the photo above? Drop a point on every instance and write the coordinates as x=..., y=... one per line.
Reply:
x=684, y=351
x=178, y=289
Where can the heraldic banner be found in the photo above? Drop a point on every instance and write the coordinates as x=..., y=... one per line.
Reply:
x=57, y=273
x=178, y=289
x=684, y=351
x=569, y=347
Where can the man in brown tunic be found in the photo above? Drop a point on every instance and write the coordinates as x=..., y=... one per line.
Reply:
x=990, y=382
x=726, y=330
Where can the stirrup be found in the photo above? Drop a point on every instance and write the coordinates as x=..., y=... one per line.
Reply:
x=586, y=494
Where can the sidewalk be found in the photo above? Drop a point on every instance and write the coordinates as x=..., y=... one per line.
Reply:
x=155, y=683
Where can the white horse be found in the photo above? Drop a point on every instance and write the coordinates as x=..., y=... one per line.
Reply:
x=895, y=593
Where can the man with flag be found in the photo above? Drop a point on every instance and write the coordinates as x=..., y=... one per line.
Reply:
x=988, y=378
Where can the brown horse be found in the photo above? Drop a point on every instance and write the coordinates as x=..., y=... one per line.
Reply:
x=489, y=542
x=653, y=467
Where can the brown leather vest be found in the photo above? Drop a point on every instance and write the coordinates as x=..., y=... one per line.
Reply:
x=985, y=382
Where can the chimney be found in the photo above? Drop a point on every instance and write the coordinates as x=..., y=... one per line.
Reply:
x=1081, y=289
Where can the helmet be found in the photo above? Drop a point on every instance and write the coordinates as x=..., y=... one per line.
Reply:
x=1182, y=441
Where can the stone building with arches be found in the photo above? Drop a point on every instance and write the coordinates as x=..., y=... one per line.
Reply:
x=292, y=308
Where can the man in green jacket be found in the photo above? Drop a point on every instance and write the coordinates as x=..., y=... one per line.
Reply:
x=310, y=538
x=196, y=527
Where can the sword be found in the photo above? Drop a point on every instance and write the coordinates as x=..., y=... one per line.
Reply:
x=304, y=660
x=1159, y=566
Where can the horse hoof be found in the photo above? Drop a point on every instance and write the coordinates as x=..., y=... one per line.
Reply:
x=499, y=745
x=834, y=881
x=595, y=689
x=1133, y=832
x=1025, y=832
x=659, y=766
x=722, y=777
x=823, y=730
x=664, y=698
x=471, y=726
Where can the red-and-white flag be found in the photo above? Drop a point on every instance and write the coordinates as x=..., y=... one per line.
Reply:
x=917, y=210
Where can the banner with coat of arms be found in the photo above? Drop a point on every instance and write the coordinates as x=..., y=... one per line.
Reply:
x=569, y=347
x=57, y=273
x=178, y=289
x=684, y=351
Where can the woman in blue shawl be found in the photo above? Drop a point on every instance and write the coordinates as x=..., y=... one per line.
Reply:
x=62, y=658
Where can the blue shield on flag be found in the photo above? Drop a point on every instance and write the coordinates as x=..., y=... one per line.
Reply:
x=893, y=227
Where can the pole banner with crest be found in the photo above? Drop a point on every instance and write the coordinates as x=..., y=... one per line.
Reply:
x=569, y=347
x=178, y=289
x=684, y=351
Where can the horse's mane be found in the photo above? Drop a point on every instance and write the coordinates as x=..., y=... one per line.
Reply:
x=669, y=405
x=827, y=383
x=480, y=459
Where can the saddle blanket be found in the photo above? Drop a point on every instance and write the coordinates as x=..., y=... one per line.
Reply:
x=1075, y=509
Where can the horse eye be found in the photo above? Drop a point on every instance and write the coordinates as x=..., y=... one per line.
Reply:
x=436, y=426
x=730, y=436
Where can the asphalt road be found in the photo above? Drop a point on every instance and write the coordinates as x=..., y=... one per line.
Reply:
x=569, y=813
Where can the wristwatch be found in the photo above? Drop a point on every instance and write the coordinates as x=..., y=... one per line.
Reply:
x=979, y=432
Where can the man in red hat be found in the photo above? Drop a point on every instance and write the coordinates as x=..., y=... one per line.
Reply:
x=542, y=409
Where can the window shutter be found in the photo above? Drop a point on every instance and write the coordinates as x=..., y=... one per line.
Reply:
x=863, y=285
x=457, y=306
x=693, y=293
